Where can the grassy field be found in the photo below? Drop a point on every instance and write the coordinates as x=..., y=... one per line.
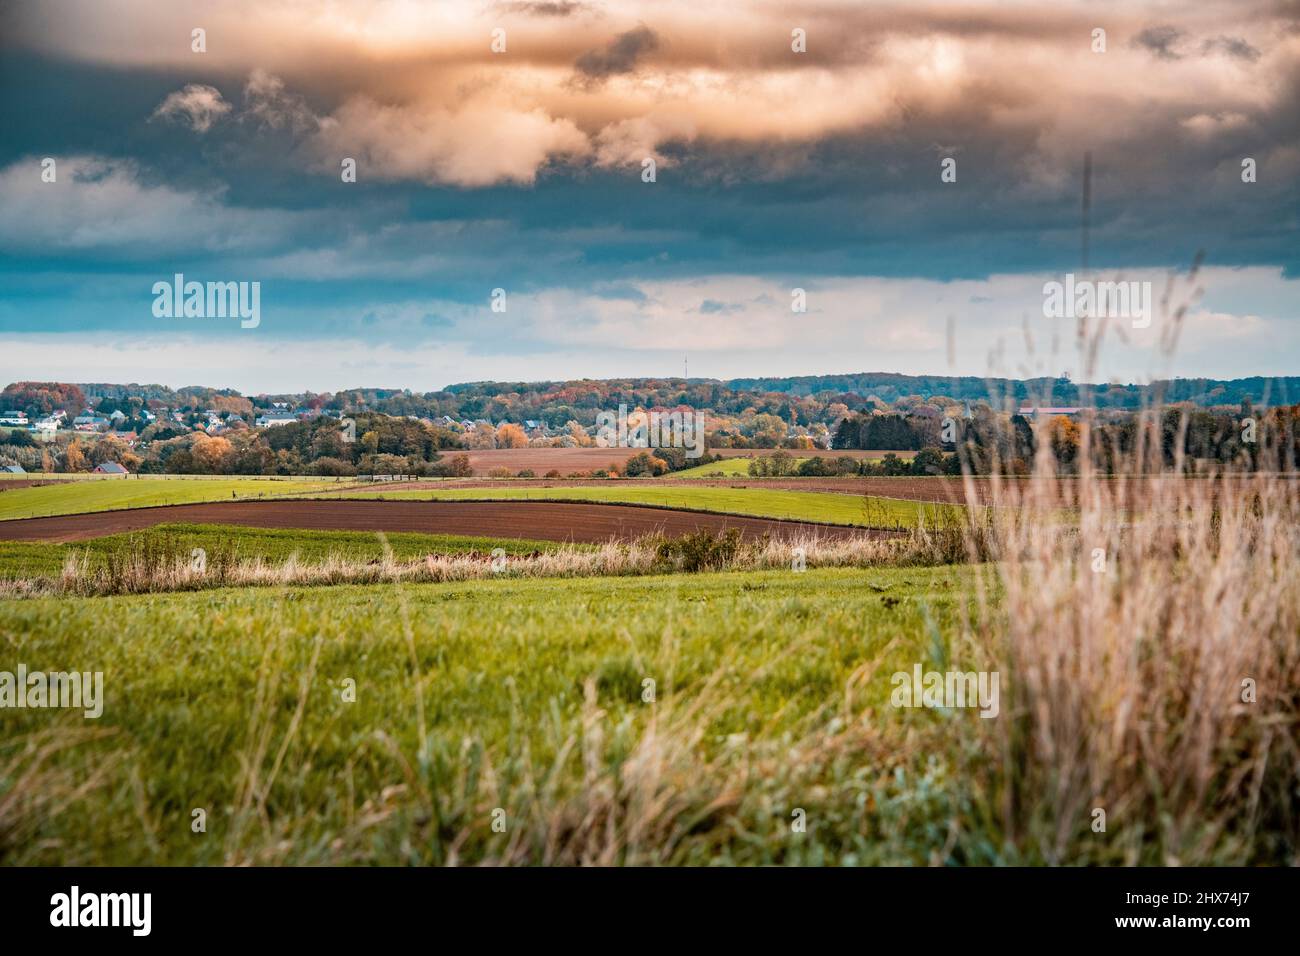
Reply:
x=38, y=559
x=469, y=698
x=92, y=477
x=826, y=507
x=463, y=714
x=728, y=467
x=78, y=497
x=739, y=467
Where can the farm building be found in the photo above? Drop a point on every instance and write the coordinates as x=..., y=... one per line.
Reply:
x=109, y=468
x=1050, y=412
x=275, y=418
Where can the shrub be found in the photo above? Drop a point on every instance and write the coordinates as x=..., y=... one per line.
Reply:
x=644, y=464
x=457, y=467
x=816, y=467
x=892, y=466
x=779, y=464
x=701, y=551
x=332, y=467
x=928, y=461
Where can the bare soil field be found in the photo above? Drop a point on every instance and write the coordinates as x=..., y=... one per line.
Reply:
x=542, y=520
x=542, y=460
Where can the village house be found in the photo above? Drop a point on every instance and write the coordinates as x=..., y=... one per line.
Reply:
x=1030, y=411
x=89, y=423
x=271, y=419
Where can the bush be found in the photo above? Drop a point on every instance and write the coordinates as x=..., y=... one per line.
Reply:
x=818, y=467
x=500, y=472
x=892, y=466
x=457, y=467
x=526, y=473
x=332, y=467
x=928, y=461
x=777, y=465
x=553, y=473
x=701, y=551
x=644, y=464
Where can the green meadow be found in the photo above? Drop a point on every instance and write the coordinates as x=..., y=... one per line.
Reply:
x=727, y=467
x=395, y=724
x=78, y=497
x=23, y=559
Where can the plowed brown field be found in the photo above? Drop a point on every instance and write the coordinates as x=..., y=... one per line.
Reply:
x=542, y=520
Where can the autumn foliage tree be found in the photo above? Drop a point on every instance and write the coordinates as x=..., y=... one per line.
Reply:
x=511, y=436
x=73, y=459
x=210, y=453
x=1064, y=436
x=42, y=398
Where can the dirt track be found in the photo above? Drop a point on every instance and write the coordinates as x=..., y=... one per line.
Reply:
x=541, y=520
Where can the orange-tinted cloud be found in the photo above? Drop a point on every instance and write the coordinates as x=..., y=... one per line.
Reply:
x=417, y=88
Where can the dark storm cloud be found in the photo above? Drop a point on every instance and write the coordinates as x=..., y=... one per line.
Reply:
x=545, y=8
x=620, y=56
x=1231, y=46
x=1161, y=41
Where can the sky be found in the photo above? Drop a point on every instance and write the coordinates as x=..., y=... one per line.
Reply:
x=507, y=145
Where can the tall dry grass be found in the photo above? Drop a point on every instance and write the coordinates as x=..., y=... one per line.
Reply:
x=1149, y=646
x=136, y=571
